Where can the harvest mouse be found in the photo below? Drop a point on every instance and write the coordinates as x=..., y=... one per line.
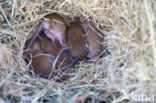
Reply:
x=76, y=41
x=94, y=38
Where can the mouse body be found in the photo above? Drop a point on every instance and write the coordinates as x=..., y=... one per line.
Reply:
x=76, y=41
x=94, y=39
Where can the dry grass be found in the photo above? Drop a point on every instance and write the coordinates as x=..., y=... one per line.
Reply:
x=129, y=27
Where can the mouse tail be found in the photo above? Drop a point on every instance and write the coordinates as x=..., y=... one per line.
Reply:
x=68, y=66
x=64, y=69
x=82, y=61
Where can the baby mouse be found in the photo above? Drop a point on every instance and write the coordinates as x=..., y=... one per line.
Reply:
x=42, y=61
x=54, y=28
x=94, y=38
x=76, y=41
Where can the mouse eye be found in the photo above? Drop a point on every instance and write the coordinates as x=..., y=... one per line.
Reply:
x=44, y=49
x=34, y=49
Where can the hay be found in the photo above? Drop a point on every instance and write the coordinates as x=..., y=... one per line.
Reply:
x=129, y=29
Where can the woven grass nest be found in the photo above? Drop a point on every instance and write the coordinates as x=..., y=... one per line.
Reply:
x=130, y=69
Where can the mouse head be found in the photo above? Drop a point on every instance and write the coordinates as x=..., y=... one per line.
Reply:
x=35, y=47
x=55, y=30
x=85, y=26
x=48, y=30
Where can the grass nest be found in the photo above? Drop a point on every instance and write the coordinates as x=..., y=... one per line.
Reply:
x=129, y=27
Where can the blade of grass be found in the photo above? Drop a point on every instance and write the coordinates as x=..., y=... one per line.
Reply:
x=150, y=18
x=15, y=67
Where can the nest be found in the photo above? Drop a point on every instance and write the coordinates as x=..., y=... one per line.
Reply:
x=129, y=30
